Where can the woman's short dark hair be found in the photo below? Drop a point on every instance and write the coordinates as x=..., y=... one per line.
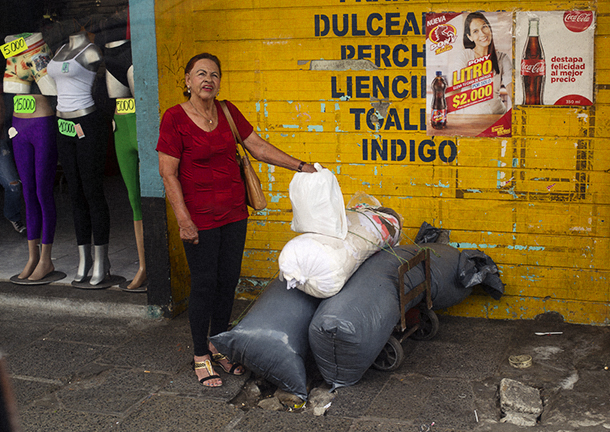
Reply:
x=195, y=59
x=468, y=44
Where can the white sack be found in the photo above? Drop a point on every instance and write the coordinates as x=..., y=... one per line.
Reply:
x=317, y=203
x=320, y=265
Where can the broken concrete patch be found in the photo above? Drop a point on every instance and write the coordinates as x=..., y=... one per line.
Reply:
x=320, y=400
x=271, y=404
x=342, y=65
x=521, y=404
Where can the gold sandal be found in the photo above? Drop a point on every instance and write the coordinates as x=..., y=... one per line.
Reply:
x=217, y=358
x=207, y=365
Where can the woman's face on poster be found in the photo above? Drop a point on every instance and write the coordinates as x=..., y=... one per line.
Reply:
x=480, y=33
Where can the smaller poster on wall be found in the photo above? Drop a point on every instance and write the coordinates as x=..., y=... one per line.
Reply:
x=554, y=57
x=469, y=71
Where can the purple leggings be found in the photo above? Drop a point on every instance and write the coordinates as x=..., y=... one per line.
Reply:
x=35, y=153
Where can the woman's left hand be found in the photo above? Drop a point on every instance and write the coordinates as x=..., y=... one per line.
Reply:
x=309, y=168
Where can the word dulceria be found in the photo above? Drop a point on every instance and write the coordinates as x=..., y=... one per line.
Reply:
x=375, y=24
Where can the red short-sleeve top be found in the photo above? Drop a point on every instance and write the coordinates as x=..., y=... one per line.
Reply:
x=213, y=190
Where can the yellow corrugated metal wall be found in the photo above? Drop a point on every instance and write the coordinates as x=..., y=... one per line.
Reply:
x=547, y=228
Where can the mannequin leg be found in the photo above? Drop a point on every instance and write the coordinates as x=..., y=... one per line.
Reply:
x=126, y=145
x=140, y=276
x=45, y=265
x=101, y=264
x=34, y=258
x=84, y=262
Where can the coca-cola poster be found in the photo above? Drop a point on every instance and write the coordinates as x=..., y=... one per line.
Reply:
x=469, y=72
x=554, y=58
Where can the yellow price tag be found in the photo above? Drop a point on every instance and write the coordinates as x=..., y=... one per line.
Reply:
x=24, y=104
x=13, y=48
x=126, y=106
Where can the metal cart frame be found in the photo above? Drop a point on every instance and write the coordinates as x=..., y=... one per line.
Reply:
x=427, y=323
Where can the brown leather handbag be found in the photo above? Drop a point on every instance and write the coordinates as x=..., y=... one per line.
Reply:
x=254, y=192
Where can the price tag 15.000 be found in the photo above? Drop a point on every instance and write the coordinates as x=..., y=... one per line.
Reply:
x=13, y=48
x=24, y=104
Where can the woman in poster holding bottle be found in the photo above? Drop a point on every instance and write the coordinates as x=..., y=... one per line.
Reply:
x=479, y=46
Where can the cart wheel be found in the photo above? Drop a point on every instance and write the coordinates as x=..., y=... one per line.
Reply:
x=428, y=325
x=390, y=357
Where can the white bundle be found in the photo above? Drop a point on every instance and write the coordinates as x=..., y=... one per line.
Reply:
x=320, y=265
x=317, y=203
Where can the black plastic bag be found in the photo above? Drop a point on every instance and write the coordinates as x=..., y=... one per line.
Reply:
x=271, y=340
x=350, y=329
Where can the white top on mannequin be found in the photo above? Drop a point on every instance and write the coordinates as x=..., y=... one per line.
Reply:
x=74, y=69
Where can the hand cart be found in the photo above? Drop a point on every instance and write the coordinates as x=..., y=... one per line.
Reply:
x=419, y=322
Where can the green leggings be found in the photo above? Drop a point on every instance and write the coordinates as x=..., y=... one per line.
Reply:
x=126, y=143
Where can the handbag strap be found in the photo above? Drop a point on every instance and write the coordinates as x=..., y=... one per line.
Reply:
x=234, y=130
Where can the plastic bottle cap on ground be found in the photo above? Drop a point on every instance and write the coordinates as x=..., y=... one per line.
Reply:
x=520, y=361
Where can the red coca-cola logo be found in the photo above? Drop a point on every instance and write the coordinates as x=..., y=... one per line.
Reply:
x=577, y=21
x=533, y=67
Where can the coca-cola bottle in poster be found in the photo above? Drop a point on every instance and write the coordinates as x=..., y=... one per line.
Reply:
x=533, y=66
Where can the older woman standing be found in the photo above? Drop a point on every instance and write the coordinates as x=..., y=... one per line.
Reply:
x=204, y=187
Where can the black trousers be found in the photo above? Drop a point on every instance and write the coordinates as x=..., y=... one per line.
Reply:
x=83, y=162
x=215, y=265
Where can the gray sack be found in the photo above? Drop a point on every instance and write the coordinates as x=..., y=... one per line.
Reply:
x=271, y=340
x=349, y=330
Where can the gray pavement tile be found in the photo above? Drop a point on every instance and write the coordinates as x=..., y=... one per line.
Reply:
x=459, y=330
x=110, y=391
x=28, y=391
x=486, y=399
x=393, y=426
x=354, y=400
x=52, y=360
x=166, y=347
x=450, y=405
x=556, y=358
x=439, y=358
x=62, y=420
x=566, y=408
x=185, y=384
x=593, y=383
x=91, y=334
x=382, y=426
x=403, y=396
x=270, y=421
x=15, y=336
x=164, y=413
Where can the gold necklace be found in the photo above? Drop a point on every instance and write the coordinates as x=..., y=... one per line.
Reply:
x=199, y=112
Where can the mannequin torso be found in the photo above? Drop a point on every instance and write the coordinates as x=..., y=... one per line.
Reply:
x=74, y=69
x=90, y=58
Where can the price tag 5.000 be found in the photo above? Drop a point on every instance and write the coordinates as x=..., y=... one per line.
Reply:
x=13, y=48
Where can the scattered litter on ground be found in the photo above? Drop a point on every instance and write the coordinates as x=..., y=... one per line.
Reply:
x=520, y=361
